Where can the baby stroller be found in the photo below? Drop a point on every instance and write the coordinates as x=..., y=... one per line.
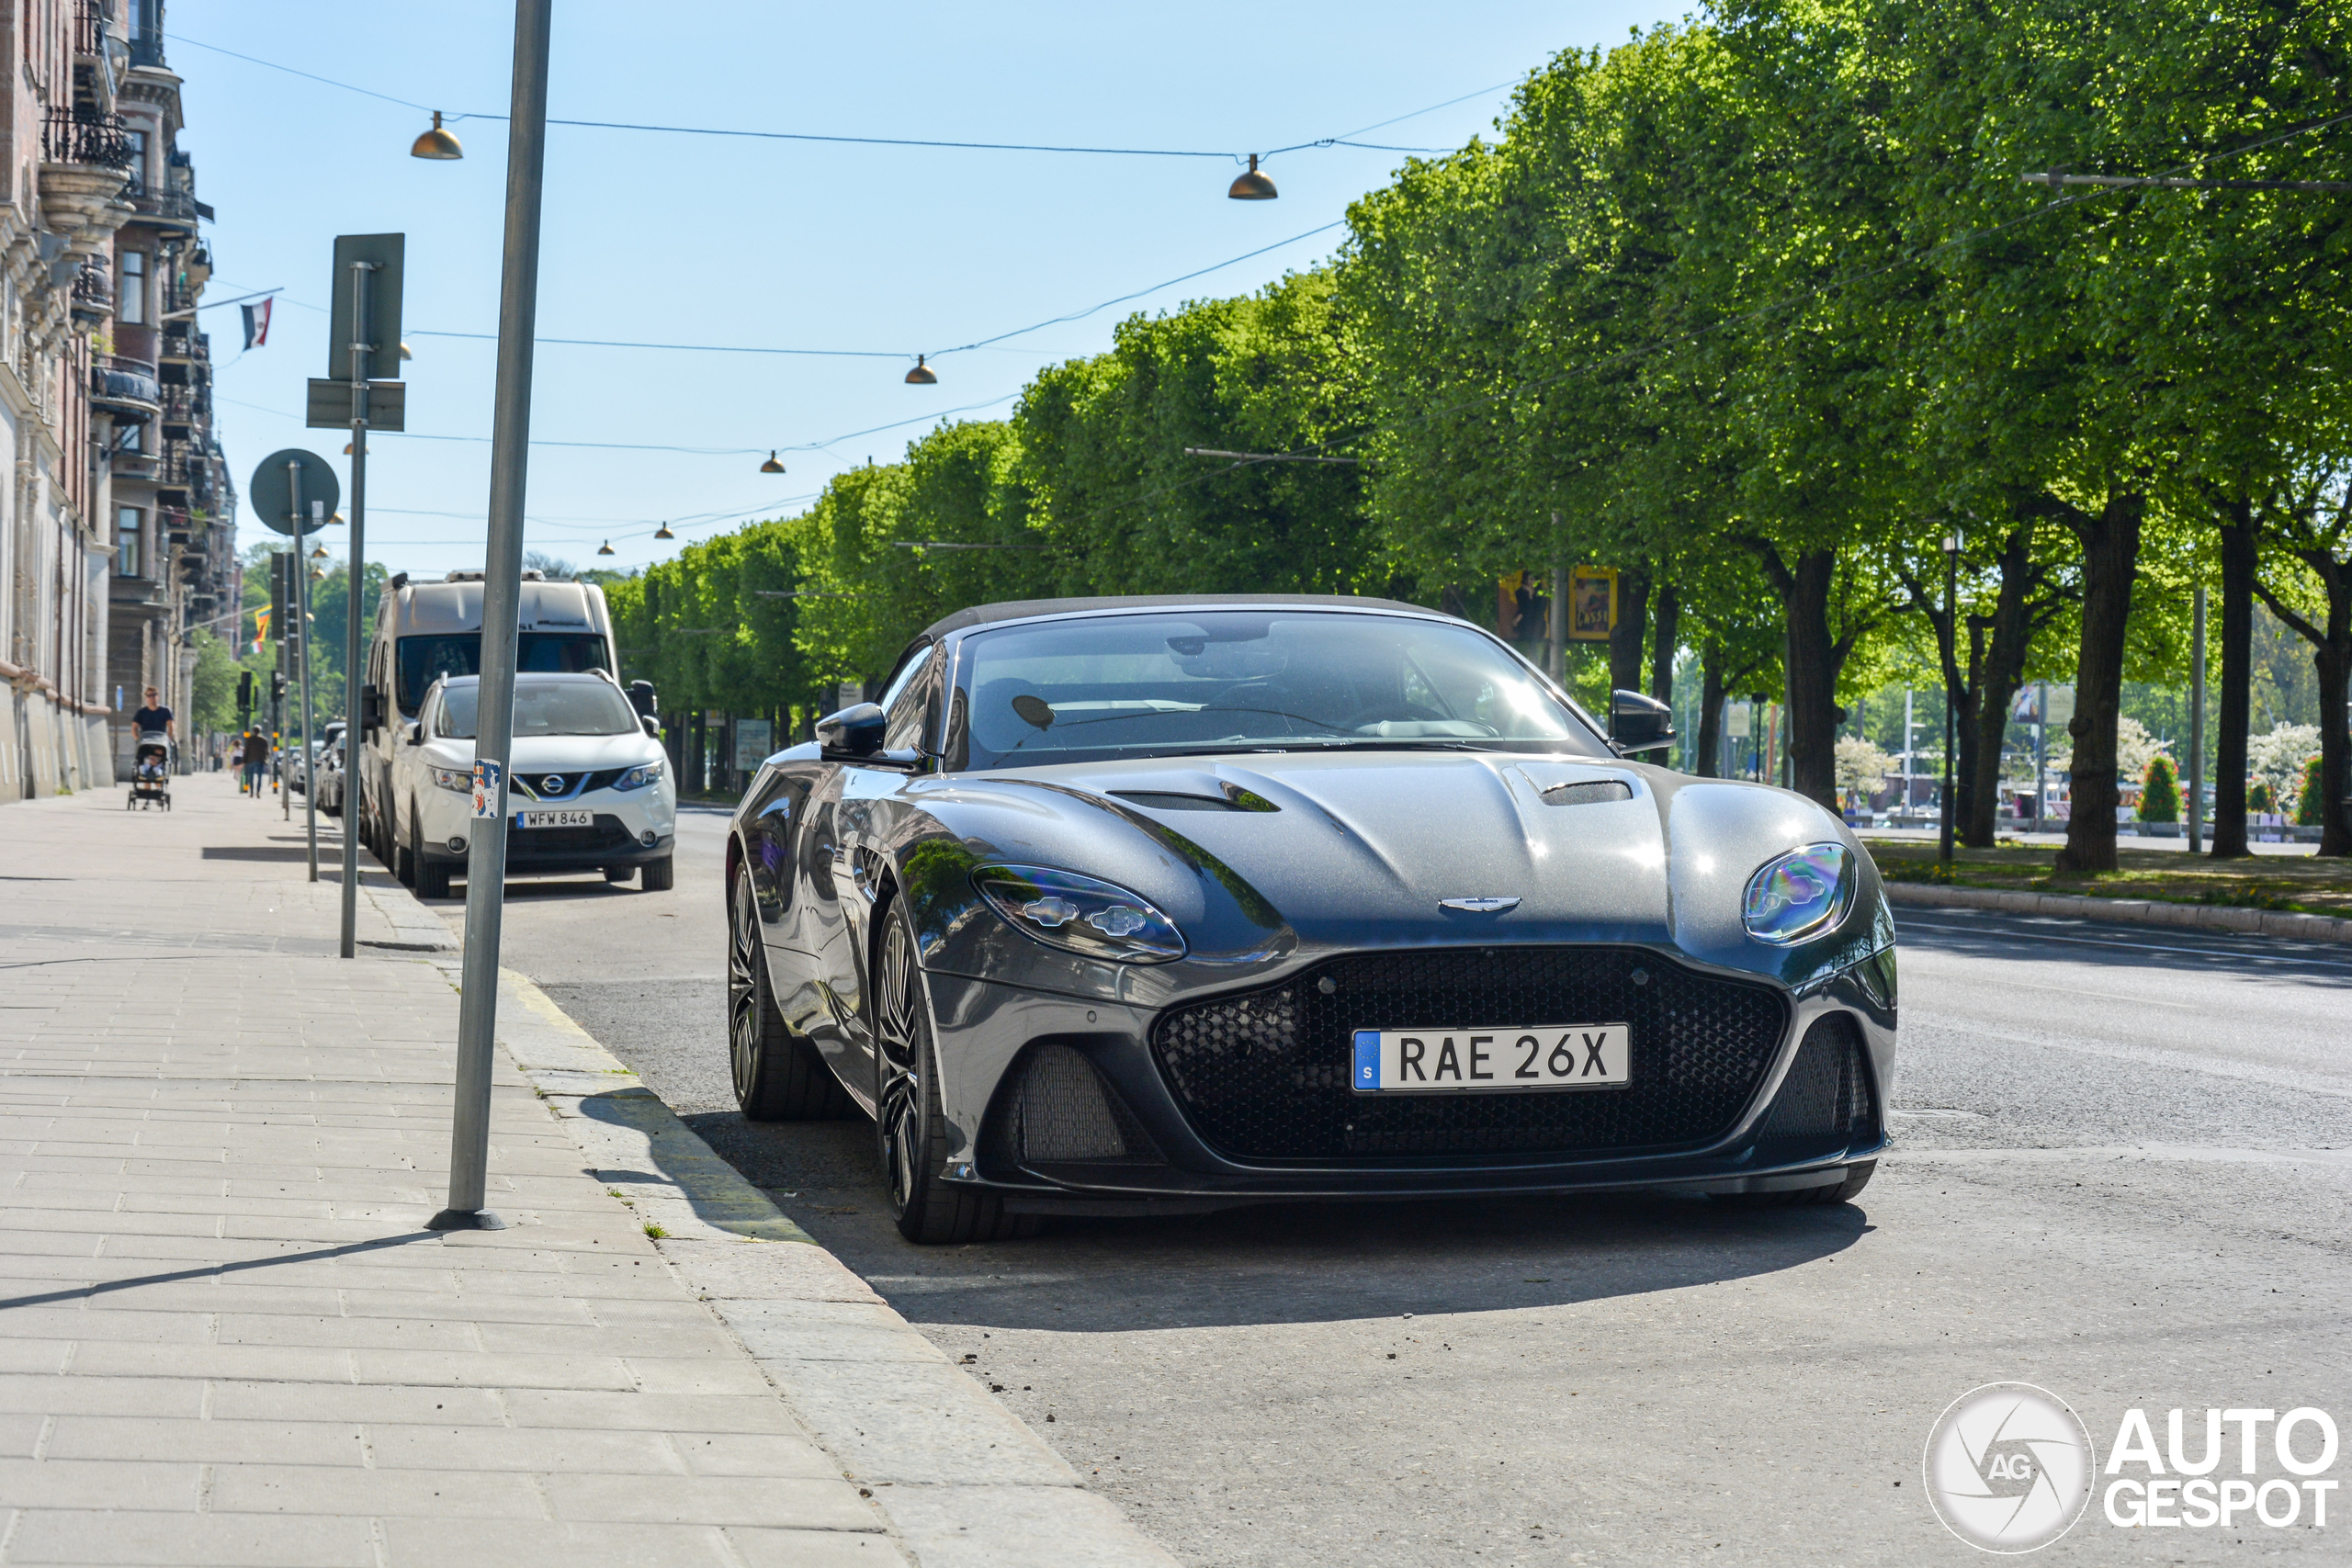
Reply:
x=151, y=772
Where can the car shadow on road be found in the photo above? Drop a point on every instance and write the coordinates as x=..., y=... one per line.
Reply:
x=1284, y=1263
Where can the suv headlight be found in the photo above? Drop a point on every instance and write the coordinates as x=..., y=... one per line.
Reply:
x=639, y=776
x=458, y=780
x=1079, y=914
x=1799, y=895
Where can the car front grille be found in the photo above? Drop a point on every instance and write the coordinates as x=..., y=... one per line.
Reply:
x=524, y=843
x=1264, y=1075
x=1825, y=1103
x=535, y=786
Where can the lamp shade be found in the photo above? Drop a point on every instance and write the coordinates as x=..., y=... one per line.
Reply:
x=664, y=532
x=921, y=375
x=436, y=143
x=1251, y=186
x=605, y=548
x=771, y=466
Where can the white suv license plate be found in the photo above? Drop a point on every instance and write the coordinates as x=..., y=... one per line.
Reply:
x=1493, y=1059
x=555, y=819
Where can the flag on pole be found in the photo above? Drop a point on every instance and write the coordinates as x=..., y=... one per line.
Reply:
x=261, y=629
x=257, y=322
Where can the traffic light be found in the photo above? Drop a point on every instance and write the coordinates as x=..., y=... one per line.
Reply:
x=278, y=685
x=245, y=691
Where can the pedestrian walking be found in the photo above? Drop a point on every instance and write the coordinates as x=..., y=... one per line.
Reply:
x=251, y=760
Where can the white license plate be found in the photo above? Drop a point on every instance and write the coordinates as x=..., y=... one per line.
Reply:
x=555, y=818
x=1493, y=1059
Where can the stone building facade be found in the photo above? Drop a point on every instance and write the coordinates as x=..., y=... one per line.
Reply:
x=116, y=528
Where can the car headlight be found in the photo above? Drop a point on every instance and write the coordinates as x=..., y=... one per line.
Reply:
x=1063, y=909
x=1798, y=894
x=639, y=776
x=460, y=781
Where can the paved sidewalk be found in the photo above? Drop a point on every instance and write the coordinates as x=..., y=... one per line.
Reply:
x=225, y=1337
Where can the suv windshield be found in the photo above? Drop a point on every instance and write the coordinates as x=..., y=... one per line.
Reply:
x=425, y=658
x=542, y=708
x=1154, y=683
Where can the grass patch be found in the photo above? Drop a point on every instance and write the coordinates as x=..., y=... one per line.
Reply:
x=656, y=1232
x=2296, y=884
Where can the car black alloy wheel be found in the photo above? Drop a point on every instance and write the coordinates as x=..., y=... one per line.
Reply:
x=908, y=1125
x=778, y=1075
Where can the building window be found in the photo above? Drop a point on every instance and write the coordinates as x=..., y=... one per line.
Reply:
x=130, y=299
x=130, y=533
x=138, y=143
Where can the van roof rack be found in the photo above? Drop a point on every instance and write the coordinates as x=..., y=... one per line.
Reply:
x=475, y=574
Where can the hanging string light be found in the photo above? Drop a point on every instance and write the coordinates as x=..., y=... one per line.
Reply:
x=771, y=466
x=605, y=548
x=664, y=532
x=921, y=375
x=436, y=143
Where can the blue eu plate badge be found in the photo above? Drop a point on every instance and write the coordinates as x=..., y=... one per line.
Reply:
x=1367, y=1058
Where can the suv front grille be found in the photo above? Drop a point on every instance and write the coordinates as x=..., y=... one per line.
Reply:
x=1264, y=1075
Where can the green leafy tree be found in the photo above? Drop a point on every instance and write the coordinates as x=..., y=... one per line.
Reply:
x=2311, y=800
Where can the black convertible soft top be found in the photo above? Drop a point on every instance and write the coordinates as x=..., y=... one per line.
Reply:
x=1027, y=609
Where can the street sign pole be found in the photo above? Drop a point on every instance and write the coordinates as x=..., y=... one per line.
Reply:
x=502, y=601
x=355, y=583
x=300, y=569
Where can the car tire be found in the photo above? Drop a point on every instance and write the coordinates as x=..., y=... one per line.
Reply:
x=660, y=876
x=432, y=876
x=620, y=872
x=1858, y=1176
x=403, y=862
x=778, y=1075
x=910, y=1127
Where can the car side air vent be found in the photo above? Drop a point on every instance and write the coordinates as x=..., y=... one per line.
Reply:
x=1591, y=792
x=1168, y=800
x=1059, y=1110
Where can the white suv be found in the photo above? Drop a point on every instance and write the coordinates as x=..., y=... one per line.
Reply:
x=588, y=787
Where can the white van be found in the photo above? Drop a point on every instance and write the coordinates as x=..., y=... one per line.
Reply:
x=425, y=630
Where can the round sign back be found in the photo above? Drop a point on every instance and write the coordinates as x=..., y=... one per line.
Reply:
x=291, y=483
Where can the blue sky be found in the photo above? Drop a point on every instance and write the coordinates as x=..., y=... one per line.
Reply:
x=701, y=239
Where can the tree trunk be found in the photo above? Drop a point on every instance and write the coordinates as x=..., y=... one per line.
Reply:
x=2332, y=659
x=1625, y=642
x=1666, y=636
x=2110, y=540
x=1811, y=676
x=2003, y=672
x=2236, y=705
x=1710, y=760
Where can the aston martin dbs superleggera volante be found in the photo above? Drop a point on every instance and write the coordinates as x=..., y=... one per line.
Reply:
x=1156, y=905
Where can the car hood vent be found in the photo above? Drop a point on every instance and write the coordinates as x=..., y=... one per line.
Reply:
x=1169, y=800
x=1589, y=791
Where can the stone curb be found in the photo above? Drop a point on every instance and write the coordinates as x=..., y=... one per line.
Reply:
x=964, y=1481
x=2134, y=911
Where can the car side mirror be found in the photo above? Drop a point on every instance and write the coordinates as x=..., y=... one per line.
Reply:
x=371, y=710
x=415, y=732
x=853, y=732
x=1638, y=722
x=652, y=726
x=641, y=698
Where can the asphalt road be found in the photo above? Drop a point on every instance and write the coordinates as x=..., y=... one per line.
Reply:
x=2121, y=1172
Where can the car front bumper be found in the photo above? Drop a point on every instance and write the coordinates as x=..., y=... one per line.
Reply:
x=990, y=1036
x=631, y=828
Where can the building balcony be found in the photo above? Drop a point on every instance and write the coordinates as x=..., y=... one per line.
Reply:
x=163, y=208
x=93, y=295
x=124, y=387
x=84, y=138
x=186, y=409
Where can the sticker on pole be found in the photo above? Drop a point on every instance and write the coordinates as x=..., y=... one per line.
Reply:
x=487, y=789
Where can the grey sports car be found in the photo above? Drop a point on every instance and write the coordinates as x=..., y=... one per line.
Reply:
x=1157, y=905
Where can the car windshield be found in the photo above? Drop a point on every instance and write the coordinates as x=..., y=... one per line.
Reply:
x=425, y=658
x=542, y=708
x=1171, y=683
